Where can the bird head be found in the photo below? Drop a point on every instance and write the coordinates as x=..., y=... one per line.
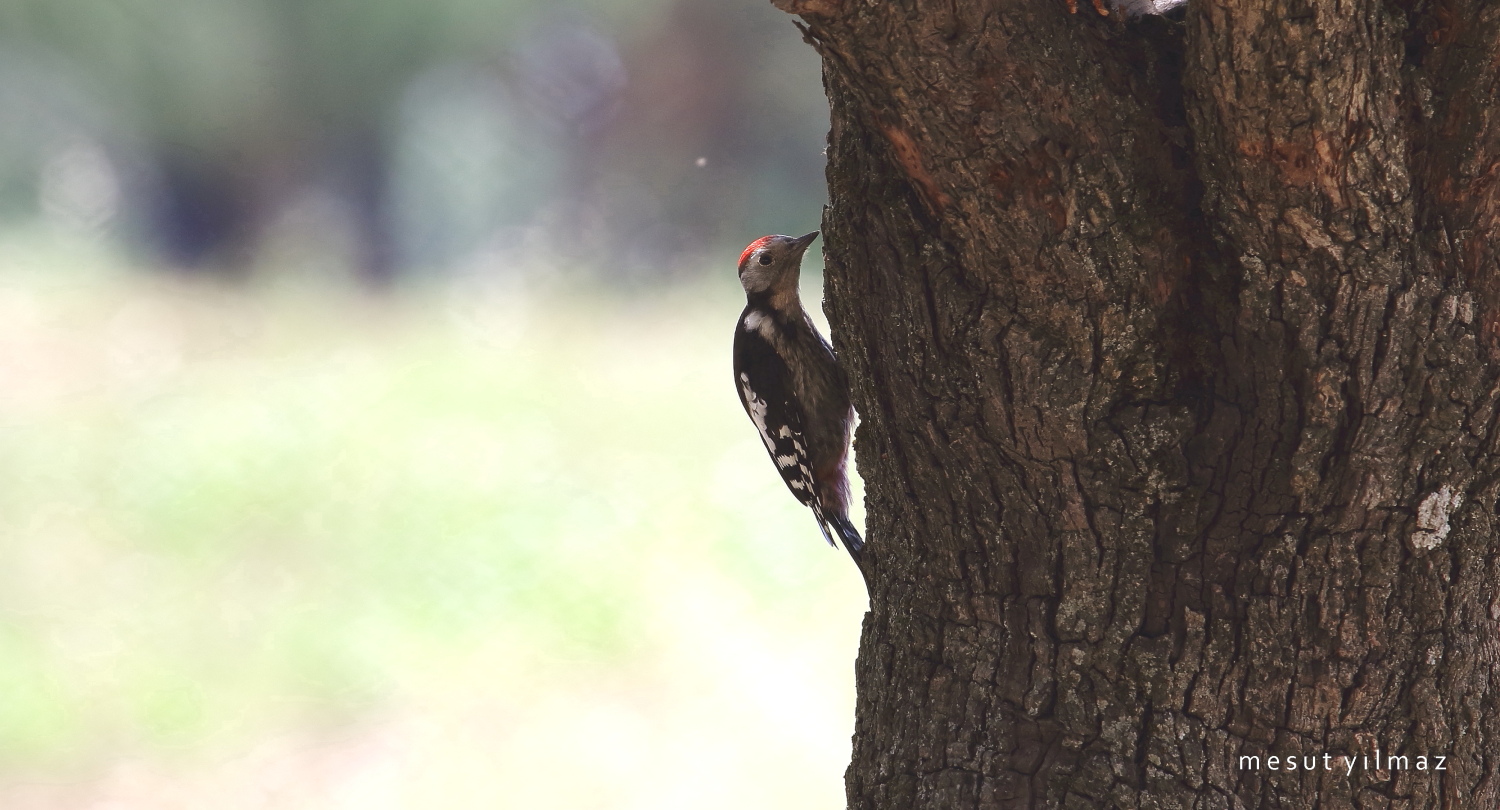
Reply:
x=773, y=264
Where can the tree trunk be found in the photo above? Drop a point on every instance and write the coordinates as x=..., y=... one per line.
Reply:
x=1175, y=344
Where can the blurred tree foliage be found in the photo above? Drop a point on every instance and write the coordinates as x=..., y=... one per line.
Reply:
x=420, y=132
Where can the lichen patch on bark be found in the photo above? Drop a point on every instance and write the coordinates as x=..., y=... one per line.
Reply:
x=1432, y=518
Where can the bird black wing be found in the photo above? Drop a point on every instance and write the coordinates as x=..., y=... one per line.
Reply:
x=763, y=380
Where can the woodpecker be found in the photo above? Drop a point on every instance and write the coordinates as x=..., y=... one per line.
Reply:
x=792, y=386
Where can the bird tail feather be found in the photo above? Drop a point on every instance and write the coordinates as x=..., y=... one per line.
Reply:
x=823, y=524
x=847, y=533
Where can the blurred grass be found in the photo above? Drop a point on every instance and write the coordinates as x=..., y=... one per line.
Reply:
x=466, y=545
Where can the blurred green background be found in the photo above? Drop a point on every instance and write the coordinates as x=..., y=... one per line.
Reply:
x=366, y=431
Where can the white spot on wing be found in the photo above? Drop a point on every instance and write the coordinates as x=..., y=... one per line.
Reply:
x=802, y=479
x=757, y=408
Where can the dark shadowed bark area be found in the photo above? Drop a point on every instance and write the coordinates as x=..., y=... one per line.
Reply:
x=1175, y=345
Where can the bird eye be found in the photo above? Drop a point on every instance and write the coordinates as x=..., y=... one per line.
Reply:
x=765, y=258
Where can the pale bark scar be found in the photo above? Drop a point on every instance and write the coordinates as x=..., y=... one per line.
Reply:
x=821, y=8
x=1029, y=183
x=911, y=161
x=1164, y=284
x=1318, y=167
x=1479, y=198
x=1073, y=7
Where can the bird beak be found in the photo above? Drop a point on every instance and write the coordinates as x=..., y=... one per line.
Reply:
x=802, y=242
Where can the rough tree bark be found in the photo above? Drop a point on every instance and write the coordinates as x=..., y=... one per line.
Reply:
x=1176, y=344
